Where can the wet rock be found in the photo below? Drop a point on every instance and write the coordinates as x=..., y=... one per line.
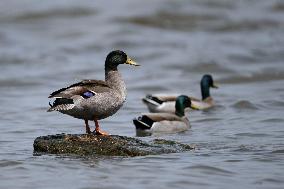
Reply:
x=113, y=145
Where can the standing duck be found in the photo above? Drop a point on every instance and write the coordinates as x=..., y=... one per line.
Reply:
x=166, y=103
x=166, y=122
x=94, y=99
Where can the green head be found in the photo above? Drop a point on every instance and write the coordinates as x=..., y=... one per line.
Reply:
x=182, y=102
x=205, y=84
x=117, y=57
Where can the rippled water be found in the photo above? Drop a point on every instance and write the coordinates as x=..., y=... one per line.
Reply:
x=51, y=44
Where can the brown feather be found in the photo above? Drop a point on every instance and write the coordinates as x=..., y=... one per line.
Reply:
x=96, y=86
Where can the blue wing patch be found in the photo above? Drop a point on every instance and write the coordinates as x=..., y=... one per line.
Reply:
x=88, y=94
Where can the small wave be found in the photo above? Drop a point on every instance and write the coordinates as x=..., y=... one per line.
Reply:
x=208, y=120
x=210, y=170
x=270, y=180
x=275, y=103
x=264, y=75
x=244, y=148
x=279, y=7
x=9, y=59
x=174, y=21
x=240, y=58
x=150, y=89
x=8, y=163
x=258, y=56
x=234, y=160
x=246, y=25
x=253, y=149
x=273, y=120
x=17, y=83
x=210, y=22
x=201, y=67
x=252, y=134
x=244, y=105
x=217, y=4
x=53, y=13
x=278, y=152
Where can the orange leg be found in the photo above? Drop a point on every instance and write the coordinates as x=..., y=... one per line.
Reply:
x=88, y=130
x=97, y=130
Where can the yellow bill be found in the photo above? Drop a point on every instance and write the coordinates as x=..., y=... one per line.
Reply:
x=131, y=62
x=194, y=106
x=215, y=86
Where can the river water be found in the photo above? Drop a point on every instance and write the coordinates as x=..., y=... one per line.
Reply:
x=50, y=44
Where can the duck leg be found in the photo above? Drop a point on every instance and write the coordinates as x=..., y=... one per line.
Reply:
x=97, y=130
x=88, y=130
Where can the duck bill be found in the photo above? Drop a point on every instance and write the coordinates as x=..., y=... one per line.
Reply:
x=131, y=62
x=215, y=86
x=194, y=107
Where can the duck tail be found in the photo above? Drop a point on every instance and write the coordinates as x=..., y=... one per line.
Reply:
x=149, y=99
x=143, y=123
x=61, y=104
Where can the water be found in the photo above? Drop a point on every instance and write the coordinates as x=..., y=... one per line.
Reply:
x=51, y=44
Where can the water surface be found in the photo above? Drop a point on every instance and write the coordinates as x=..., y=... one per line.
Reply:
x=48, y=45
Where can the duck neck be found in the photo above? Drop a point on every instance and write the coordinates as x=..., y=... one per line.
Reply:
x=114, y=80
x=205, y=92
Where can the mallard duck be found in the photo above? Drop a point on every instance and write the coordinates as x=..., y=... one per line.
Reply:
x=94, y=99
x=166, y=103
x=166, y=122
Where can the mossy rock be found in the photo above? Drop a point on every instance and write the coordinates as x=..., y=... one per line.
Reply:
x=113, y=145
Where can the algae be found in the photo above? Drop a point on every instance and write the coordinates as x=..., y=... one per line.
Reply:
x=112, y=145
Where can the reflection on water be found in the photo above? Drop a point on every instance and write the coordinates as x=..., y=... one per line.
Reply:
x=53, y=44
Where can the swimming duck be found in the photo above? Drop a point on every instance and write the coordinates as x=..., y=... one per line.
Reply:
x=166, y=122
x=94, y=99
x=166, y=103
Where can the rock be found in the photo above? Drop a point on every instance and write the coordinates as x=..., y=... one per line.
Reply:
x=113, y=145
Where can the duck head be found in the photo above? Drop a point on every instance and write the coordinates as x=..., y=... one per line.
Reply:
x=205, y=84
x=117, y=57
x=183, y=102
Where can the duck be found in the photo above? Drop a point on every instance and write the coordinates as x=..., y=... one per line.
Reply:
x=166, y=102
x=166, y=122
x=93, y=100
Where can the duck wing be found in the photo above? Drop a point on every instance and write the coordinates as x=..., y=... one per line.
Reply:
x=83, y=88
x=147, y=120
x=157, y=100
x=166, y=98
x=157, y=117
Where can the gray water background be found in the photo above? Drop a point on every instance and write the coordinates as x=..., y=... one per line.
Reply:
x=46, y=45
